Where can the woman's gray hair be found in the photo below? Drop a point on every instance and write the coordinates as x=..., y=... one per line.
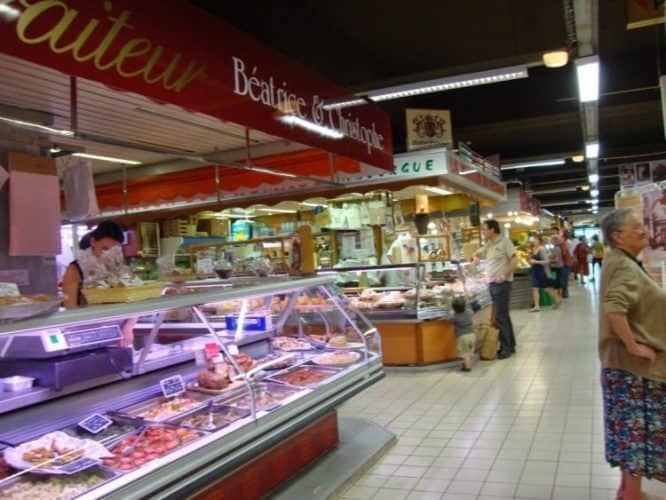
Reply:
x=614, y=223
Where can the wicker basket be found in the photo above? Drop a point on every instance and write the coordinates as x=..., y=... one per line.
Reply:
x=123, y=294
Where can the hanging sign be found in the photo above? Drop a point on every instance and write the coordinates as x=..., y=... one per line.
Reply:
x=151, y=48
x=427, y=128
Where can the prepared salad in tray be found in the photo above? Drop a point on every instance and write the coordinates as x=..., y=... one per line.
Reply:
x=36, y=487
x=266, y=396
x=160, y=409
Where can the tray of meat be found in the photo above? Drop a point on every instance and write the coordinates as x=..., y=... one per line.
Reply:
x=218, y=416
x=34, y=486
x=304, y=376
x=266, y=396
x=160, y=409
x=152, y=442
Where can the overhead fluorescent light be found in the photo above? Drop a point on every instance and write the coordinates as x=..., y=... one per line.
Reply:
x=38, y=127
x=110, y=159
x=578, y=158
x=272, y=172
x=593, y=178
x=594, y=193
x=348, y=103
x=276, y=210
x=449, y=83
x=297, y=121
x=555, y=58
x=587, y=70
x=438, y=190
x=592, y=149
x=595, y=201
x=530, y=164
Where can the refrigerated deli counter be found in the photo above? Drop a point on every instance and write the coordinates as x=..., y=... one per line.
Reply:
x=410, y=304
x=224, y=393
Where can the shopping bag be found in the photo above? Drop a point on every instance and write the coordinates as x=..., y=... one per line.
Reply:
x=490, y=344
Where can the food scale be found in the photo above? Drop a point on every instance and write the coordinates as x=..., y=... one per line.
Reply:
x=64, y=356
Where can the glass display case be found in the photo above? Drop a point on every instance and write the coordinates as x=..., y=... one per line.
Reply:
x=213, y=373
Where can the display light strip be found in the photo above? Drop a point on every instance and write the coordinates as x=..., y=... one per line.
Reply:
x=345, y=104
x=37, y=126
x=449, y=83
x=271, y=172
x=110, y=159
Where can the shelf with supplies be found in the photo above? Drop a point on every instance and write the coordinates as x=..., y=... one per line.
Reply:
x=212, y=375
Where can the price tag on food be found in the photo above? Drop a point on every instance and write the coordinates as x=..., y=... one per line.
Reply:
x=172, y=386
x=95, y=423
x=211, y=349
x=9, y=290
x=233, y=349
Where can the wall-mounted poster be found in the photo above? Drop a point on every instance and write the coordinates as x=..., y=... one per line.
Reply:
x=428, y=128
x=627, y=176
x=654, y=215
x=643, y=173
x=658, y=171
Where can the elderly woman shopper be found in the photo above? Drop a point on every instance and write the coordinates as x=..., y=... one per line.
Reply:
x=632, y=349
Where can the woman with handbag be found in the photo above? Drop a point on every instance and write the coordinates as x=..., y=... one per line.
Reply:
x=632, y=350
x=539, y=260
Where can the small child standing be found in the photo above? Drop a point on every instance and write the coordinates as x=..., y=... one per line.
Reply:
x=464, y=329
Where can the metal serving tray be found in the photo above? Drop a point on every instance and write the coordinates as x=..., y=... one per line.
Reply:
x=223, y=415
x=268, y=396
x=142, y=409
x=46, y=486
x=296, y=376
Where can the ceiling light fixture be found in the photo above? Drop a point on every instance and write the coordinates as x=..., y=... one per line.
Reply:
x=438, y=190
x=449, y=83
x=592, y=149
x=297, y=121
x=555, y=58
x=530, y=164
x=585, y=187
x=593, y=178
x=271, y=172
x=110, y=159
x=587, y=71
x=348, y=103
x=594, y=193
x=578, y=158
x=37, y=126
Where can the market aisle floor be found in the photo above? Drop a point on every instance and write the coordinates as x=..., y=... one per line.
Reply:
x=526, y=427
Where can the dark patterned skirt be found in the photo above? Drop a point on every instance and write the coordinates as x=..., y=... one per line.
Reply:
x=635, y=423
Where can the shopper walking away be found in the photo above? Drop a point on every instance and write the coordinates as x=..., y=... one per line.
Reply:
x=541, y=280
x=581, y=253
x=572, y=243
x=464, y=330
x=632, y=350
x=597, y=255
x=567, y=265
x=502, y=262
x=556, y=265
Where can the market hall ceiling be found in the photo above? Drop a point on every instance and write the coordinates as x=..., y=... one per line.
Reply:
x=365, y=45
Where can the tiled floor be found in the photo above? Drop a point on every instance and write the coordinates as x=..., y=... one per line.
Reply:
x=526, y=427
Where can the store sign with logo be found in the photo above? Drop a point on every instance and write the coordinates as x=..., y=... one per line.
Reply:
x=176, y=53
x=427, y=128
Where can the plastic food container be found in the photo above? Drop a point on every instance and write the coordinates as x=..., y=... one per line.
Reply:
x=17, y=383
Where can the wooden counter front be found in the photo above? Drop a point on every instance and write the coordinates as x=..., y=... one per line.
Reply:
x=416, y=343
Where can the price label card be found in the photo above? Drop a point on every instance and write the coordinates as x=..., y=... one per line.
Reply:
x=211, y=349
x=9, y=289
x=95, y=423
x=233, y=349
x=172, y=386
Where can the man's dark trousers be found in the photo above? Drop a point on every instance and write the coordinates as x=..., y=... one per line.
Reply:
x=500, y=293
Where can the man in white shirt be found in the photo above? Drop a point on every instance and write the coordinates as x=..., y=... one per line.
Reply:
x=502, y=262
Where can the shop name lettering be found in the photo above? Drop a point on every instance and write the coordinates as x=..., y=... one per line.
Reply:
x=171, y=75
x=414, y=167
x=264, y=90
